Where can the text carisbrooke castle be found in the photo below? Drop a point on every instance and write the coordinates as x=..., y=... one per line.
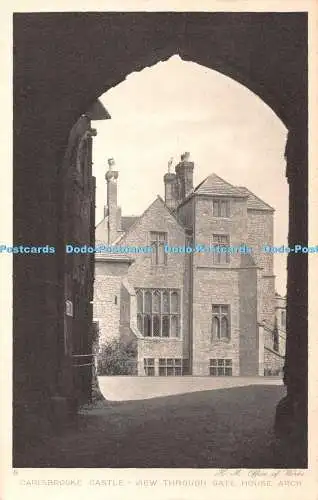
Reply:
x=205, y=313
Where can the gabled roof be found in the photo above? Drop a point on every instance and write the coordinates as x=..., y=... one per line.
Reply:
x=104, y=219
x=101, y=231
x=133, y=224
x=253, y=202
x=214, y=185
x=127, y=221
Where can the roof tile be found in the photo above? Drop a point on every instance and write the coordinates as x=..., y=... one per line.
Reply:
x=216, y=186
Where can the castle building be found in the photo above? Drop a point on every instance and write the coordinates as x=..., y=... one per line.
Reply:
x=192, y=287
x=275, y=340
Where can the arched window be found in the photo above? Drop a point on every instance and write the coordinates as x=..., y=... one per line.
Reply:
x=156, y=302
x=283, y=319
x=275, y=337
x=148, y=302
x=174, y=302
x=139, y=295
x=174, y=326
x=215, y=327
x=224, y=327
x=165, y=302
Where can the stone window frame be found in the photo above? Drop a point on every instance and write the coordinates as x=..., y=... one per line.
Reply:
x=217, y=204
x=220, y=315
x=149, y=367
x=155, y=242
x=275, y=335
x=221, y=367
x=220, y=258
x=283, y=318
x=162, y=313
x=170, y=367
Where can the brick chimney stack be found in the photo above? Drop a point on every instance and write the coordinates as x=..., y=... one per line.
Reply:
x=112, y=211
x=171, y=191
x=184, y=172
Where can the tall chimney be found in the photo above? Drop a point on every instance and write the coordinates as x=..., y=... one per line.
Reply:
x=112, y=210
x=171, y=193
x=184, y=171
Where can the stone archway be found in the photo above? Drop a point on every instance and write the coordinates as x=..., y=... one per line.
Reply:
x=64, y=61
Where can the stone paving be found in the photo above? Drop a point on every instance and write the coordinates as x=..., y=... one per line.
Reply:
x=220, y=428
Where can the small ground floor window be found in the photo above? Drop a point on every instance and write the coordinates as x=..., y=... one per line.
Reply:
x=149, y=366
x=220, y=367
x=166, y=367
x=170, y=367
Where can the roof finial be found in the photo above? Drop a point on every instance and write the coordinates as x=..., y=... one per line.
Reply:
x=111, y=163
x=170, y=164
x=111, y=174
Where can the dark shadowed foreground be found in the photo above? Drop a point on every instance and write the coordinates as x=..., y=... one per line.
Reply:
x=222, y=428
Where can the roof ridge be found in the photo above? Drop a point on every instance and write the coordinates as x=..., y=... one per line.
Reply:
x=221, y=178
x=136, y=221
x=219, y=182
x=174, y=214
x=215, y=175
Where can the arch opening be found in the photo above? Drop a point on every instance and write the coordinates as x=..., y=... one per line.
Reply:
x=176, y=106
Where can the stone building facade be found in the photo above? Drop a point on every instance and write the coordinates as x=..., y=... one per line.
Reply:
x=188, y=281
x=275, y=340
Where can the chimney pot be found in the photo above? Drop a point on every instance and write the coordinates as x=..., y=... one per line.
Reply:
x=184, y=171
x=185, y=156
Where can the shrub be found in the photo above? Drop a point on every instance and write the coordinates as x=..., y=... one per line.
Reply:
x=117, y=358
x=268, y=372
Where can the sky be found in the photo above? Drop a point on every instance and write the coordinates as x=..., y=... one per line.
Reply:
x=177, y=106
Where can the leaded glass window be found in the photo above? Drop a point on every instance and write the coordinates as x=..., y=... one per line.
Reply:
x=158, y=312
